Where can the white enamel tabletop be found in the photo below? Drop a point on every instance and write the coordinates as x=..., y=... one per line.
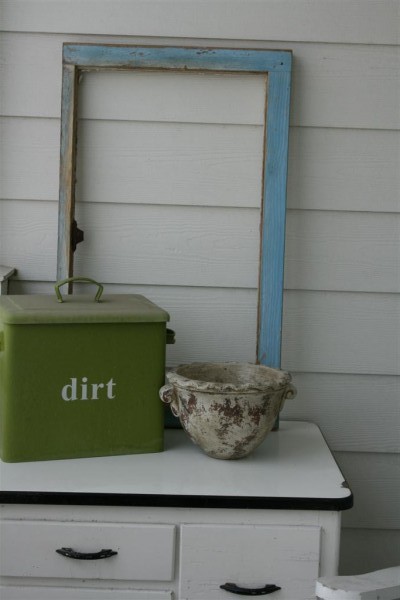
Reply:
x=294, y=462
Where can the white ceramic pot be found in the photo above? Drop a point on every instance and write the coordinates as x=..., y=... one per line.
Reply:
x=227, y=408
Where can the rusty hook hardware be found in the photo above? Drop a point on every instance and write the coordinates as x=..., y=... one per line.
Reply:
x=76, y=235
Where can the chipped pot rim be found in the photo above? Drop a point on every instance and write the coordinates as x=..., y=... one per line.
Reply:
x=276, y=379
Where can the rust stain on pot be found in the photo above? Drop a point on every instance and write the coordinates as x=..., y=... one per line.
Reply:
x=232, y=412
x=191, y=404
x=223, y=430
x=256, y=413
x=241, y=447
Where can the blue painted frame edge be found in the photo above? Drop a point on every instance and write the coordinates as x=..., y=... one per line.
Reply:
x=273, y=221
x=277, y=64
x=169, y=57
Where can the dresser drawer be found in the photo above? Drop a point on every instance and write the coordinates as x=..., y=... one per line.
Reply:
x=144, y=552
x=250, y=557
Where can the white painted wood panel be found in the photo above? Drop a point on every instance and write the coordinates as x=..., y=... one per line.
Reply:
x=219, y=247
x=329, y=169
x=342, y=251
x=144, y=552
x=346, y=86
x=177, y=97
x=220, y=325
x=29, y=238
x=363, y=550
x=31, y=287
x=208, y=164
x=374, y=480
x=323, y=332
x=169, y=245
x=356, y=413
x=285, y=556
x=335, y=21
x=332, y=332
x=29, y=165
x=170, y=163
x=332, y=85
x=26, y=592
x=141, y=162
x=344, y=169
x=195, y=246
x=144, y=245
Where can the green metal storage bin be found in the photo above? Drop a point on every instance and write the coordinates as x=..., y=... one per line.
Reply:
x=80, y=377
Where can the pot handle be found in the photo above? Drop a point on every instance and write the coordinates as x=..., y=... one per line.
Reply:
x=289, y=394
x=167, y=395
x=82, y=279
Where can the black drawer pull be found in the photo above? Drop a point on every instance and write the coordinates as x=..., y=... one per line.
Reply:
x=70, y=553
x=235, y=589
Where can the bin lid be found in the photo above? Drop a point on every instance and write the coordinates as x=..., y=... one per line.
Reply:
x=81, y=308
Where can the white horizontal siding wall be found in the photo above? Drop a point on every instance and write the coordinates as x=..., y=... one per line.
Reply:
x=193, y=247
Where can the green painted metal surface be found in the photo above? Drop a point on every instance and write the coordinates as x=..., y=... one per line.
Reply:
x=80, y=378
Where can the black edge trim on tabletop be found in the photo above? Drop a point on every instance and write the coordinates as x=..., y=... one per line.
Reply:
x=175, y=501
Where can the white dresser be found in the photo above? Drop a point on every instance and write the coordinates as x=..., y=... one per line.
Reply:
x=174, y=525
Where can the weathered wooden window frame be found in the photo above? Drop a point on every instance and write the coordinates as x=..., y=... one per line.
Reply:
x=277, y=66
